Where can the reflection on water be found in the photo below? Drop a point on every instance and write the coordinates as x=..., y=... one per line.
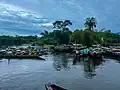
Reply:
x=61, y=63
x=89, y=68
x=8, y=61
x=64, y=62
x=64, y=70
x=89, y=64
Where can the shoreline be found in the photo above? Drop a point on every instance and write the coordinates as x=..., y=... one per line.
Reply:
x=21, y=57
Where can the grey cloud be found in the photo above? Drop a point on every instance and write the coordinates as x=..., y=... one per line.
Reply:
x=105, y=11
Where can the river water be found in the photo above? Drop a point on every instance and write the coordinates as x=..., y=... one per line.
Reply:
x=63, y=70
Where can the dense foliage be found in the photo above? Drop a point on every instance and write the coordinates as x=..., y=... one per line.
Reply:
x=17, y=40
x=63, y=35
x=88, y=36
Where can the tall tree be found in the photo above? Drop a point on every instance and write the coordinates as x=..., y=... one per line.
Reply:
x=77, y=37
x=64, y=32
x=90, y=23
x=62, y=25
x=58, y=24
x=88, y=38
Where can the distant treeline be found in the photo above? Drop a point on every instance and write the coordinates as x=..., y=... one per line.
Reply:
x=17, y=40
x=85, y=37
x=89, y=36
x=63, y=35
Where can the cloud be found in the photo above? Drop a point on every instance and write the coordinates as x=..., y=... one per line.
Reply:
x=34, y=15
x=14, y=18
x=45, y=24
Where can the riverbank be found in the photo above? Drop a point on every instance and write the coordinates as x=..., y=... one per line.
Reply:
x=74, y=49
x=21, y=57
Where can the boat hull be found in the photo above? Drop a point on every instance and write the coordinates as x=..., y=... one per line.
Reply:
x=53, y=87
x=96, y=55
x=21, y=57
x=64, y=50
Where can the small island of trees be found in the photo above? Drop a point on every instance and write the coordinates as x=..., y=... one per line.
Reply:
x=88, y=36
x=61, y=34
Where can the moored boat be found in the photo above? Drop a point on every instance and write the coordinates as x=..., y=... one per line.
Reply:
x=21, y=57
x=63, y=48
x=96, y=53
x=53, y=87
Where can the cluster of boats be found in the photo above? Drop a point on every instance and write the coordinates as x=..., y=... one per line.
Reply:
x=88, y=52
x=63, y=48
x=96, y=51
x=20, y=53
x=113, y=52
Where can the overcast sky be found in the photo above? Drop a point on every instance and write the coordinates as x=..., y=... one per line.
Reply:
x=27, y=17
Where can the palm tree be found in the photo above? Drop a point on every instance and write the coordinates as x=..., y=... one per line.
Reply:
x=90, y=23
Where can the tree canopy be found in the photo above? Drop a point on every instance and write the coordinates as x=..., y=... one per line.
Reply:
x=88, y=36
x=90, y=23
x=63, y=35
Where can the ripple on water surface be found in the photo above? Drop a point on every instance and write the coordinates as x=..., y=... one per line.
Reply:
x=73, y=74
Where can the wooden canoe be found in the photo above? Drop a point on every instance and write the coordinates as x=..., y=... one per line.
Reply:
x=53, y=87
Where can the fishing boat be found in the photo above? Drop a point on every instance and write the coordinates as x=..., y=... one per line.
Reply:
x=63, y=48
x=96, y=53
x=113, y=52
x=21, y=57
x=53, y=87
